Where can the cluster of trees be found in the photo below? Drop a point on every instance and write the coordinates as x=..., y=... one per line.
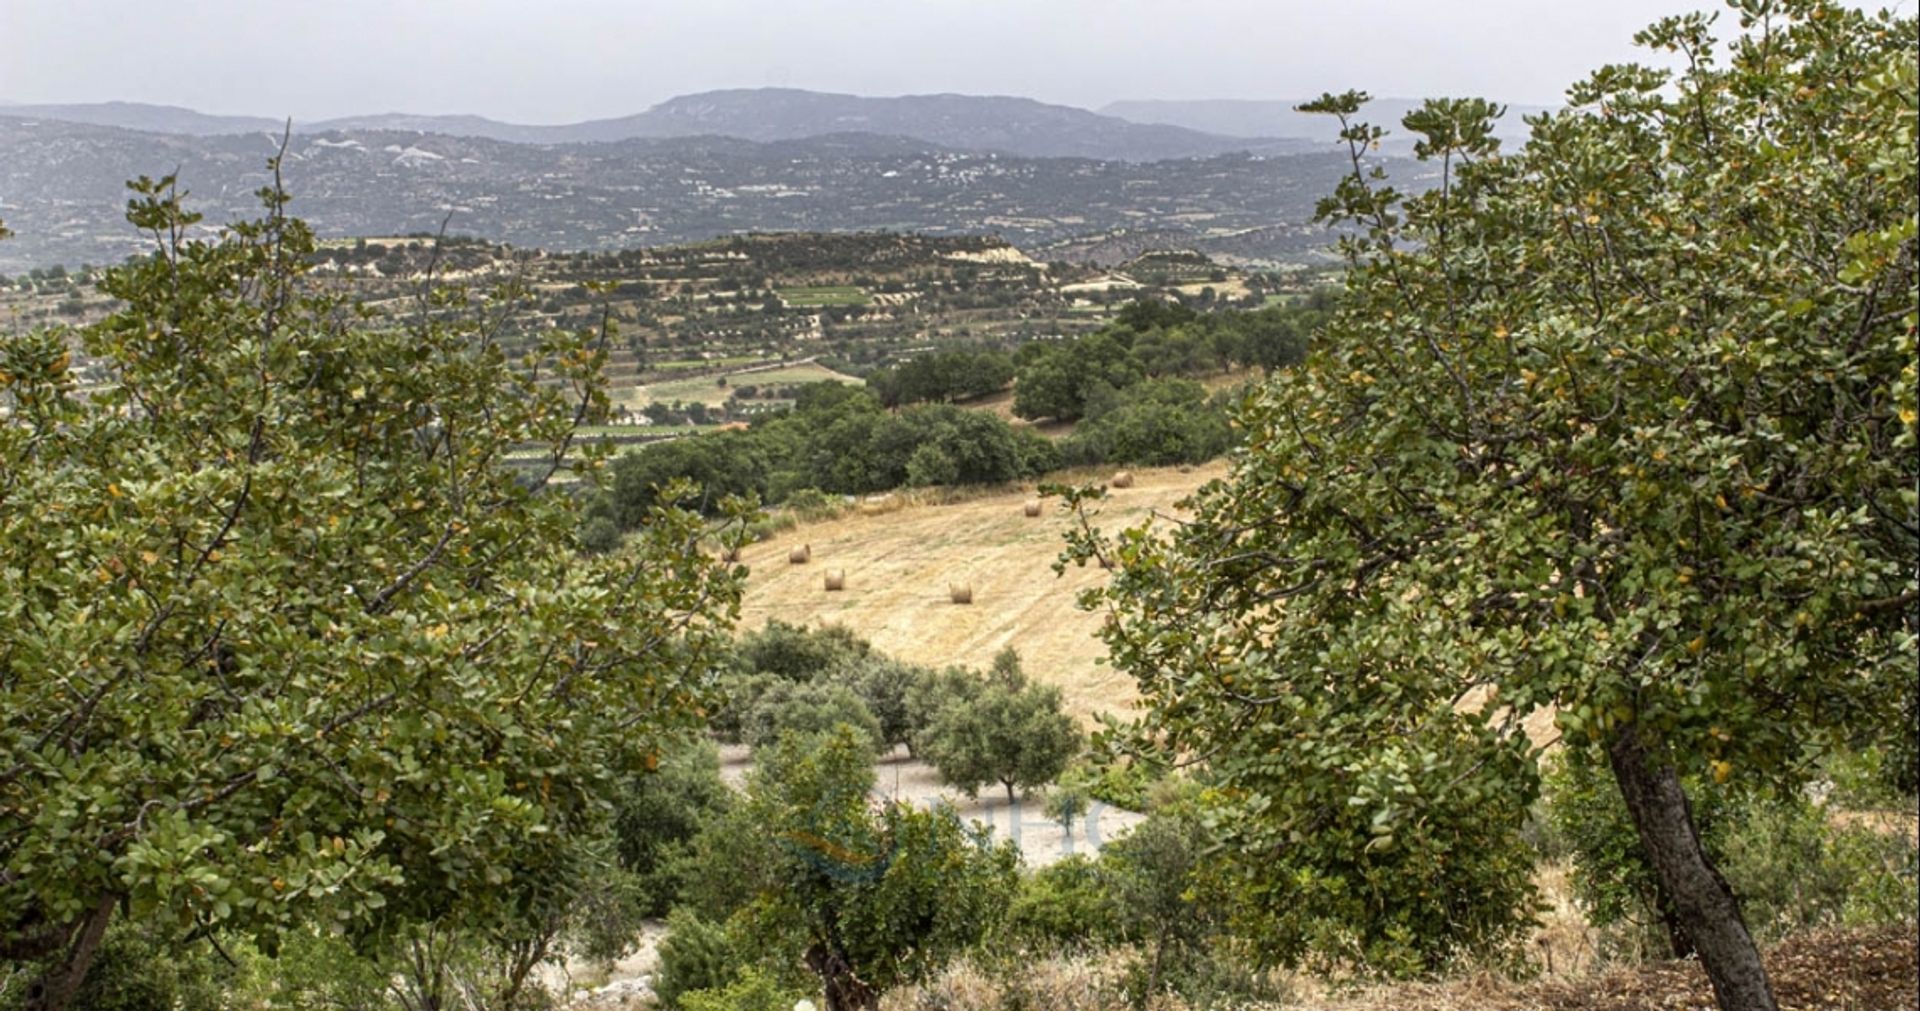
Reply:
x=942, y=377
x=295, y=664
x=979, y=730
x=1154, y=339
x=1630, y=450
x=837, y=439
x=804, y=884
x=1158, y=422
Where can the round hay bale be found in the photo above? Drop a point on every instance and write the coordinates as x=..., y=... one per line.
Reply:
x=836, y=580
x=1124, y=479
x=960, y=593
x=800, y=555
x=1033, y=509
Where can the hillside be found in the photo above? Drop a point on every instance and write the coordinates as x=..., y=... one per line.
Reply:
x=1008, y=125
x=1248, y=118
x=978, y=123
x=62, y=189
x=899, y=559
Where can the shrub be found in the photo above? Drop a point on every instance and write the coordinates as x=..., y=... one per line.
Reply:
x=795, y=652
x=1065, y=905
x=753, y=990
x=810, y=709
x=1793, y=866
x=695, y=958
x=599, y=535
x=656, y=816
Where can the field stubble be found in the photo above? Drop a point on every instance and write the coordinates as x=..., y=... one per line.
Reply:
x=900, y=556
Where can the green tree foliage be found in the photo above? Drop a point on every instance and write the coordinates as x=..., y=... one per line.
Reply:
x=796, y=653
x=1152, y=880
x=1159, y=422
x=1620, y=427
x=752, y=990
x=1064, y=905
x=942, y=376
x=1009, y=731
x=696, y=955
x=843, y=443
x=1057, y=383
x=810, y=709
x=283, y=640
x=865, y=895
x=656, y=816
x=719, y=465
x=1792, y=865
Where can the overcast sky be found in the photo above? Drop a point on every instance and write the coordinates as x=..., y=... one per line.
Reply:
x=556, y=61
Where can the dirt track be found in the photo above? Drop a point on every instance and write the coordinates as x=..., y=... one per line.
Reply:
x=899, y=564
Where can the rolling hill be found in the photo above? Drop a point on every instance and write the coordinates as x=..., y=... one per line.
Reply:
x=62, y=189
x=899, y=558
x=1020, y=127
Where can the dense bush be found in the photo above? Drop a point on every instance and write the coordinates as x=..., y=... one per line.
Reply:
x=1793, y=865
x=812, y=872
x=1067, y=904
x=695, y=957
x=795, y=652
x=942, y=376
x=138, y=968
x=657, y=815
x=753, y=990
x=1155, y=423
x=810, y=709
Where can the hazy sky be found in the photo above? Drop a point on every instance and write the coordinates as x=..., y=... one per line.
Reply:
x=564, y=60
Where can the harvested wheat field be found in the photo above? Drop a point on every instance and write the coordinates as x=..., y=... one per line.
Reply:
x=902, y=558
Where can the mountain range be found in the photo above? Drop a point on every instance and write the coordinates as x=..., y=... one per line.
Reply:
x=1055, y=180
x=1253, y=118
x=999, y=124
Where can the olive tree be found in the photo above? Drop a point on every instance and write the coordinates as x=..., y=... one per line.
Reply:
x=812, y=870
x=1615, y=434
x=1008, y=730
x=284, y=641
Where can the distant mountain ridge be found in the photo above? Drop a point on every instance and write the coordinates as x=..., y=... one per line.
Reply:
x=1020, y=127
x=142, y=116
x=62, y=190
x=1239, y=117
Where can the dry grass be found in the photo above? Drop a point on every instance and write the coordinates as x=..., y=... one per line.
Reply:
x=1831, y=970
x=901, y=551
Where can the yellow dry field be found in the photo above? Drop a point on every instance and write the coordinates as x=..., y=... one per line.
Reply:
x=900, y=560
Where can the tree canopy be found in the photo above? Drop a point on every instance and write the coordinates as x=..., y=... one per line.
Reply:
x=283, y=641
x=1008, y=731
x=1612, y=437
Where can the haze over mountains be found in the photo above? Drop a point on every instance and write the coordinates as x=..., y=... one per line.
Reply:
x=1006, y=125
x=1234, y=117
x=700, y=166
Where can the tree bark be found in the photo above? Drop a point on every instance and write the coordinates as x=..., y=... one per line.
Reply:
x=843, y=990
x=1702, y=903
x=56, y=988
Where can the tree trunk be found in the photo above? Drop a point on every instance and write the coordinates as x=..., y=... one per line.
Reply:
x=1010, y=800
x=1702, y=903
x=843, y=990
x=1678, y=943
x=56, y=988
